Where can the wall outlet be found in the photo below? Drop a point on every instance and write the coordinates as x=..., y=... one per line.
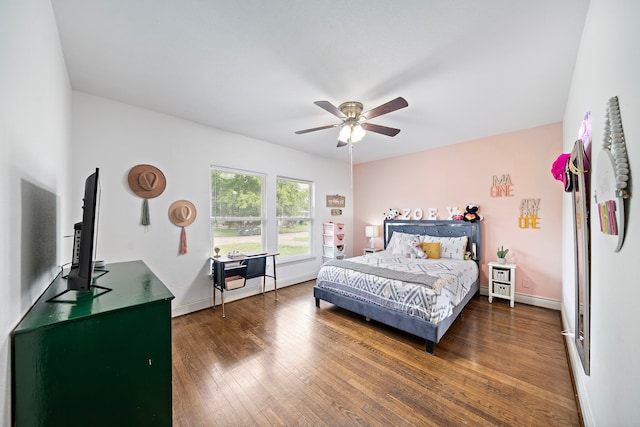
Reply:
x=525, y=283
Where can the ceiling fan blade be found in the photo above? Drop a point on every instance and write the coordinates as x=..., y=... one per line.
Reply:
x=393, y=105
x=326, y=105
x=300, y=132
x=341, y=143
x=381, y=129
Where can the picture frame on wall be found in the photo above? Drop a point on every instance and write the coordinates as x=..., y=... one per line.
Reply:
x=335, y=201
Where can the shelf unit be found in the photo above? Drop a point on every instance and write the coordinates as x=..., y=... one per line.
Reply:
x=333, y=246
x=502, y=282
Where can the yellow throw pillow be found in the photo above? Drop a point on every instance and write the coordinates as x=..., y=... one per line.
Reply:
x=432, y=249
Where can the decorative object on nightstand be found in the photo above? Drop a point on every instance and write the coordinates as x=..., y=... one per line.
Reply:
x=502, y=281
x=372, y=231
x=502, y=255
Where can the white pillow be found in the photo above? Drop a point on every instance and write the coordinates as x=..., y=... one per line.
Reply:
x=398, y=243
x=450, y=247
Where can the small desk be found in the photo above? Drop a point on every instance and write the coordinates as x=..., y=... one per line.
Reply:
x=226, y=271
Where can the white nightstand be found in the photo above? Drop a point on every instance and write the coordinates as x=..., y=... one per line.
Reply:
x=370, y=250
x=502, y=281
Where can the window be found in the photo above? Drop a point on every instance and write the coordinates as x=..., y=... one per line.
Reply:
x=237, y=210
x=295, y=222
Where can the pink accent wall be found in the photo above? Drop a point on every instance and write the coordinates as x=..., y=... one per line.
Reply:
x=461, y=174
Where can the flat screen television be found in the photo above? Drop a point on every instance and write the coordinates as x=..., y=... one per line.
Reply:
x=80, y=277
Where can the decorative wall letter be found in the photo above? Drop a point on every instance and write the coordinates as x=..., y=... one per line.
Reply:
x=432, y=213
x=502, y=186
x=417, y=213
x=529, y=213
x=452, y=211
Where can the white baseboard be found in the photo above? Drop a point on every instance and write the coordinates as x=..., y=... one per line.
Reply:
x=253, y=287
x=531, y=300
x=577, y=374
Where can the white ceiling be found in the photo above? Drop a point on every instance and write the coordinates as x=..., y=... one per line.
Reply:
x=468, y=68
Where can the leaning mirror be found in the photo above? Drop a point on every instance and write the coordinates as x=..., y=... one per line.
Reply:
x=578, y=167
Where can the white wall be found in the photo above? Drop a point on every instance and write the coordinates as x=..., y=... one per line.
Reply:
x=115, y=137
x=35, y=108
x=608, y=65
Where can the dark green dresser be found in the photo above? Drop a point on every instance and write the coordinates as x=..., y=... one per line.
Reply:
x=96, y=358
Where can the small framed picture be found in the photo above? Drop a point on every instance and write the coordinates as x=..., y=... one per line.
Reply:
x=335, y=201
x=336, y=212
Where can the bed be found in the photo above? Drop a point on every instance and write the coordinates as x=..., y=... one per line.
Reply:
x=400, y=288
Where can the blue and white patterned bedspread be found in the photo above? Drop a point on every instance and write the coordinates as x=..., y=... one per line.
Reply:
x=452, y=280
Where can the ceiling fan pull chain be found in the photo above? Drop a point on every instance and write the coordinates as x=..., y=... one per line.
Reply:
x=351, y=158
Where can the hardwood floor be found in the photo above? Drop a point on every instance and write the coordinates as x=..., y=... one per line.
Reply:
x=290, y=363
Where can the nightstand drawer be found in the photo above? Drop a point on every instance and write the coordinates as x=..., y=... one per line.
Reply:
x=502, y=275
x=501, y=289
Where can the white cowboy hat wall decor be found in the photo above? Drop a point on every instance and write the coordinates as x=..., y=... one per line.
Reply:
x=146, y=181
x=182, y=213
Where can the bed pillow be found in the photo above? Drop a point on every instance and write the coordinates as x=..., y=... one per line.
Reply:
x=450, y=247
x=431, y=249
x=398, y=243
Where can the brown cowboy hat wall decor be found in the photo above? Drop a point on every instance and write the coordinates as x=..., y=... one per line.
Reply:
x=182, y=213
x=146, y=181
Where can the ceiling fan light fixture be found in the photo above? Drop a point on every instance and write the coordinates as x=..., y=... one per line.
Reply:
x=344, y=134
x=351, y=132
x=357, y=132
x=354, y=124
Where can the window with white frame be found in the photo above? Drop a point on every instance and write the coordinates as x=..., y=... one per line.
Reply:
x=237, y=210
x=294, y=210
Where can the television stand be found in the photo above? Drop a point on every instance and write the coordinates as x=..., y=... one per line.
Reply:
x=99, y=362
x=82, y=292
x=93, y=295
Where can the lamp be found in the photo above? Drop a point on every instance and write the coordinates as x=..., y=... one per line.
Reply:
x=371, y=231
x=351, y=132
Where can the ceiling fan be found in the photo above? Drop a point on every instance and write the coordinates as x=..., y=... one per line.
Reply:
x=354, y=122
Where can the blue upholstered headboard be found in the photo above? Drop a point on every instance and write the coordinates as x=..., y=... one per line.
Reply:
x=439, y=228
